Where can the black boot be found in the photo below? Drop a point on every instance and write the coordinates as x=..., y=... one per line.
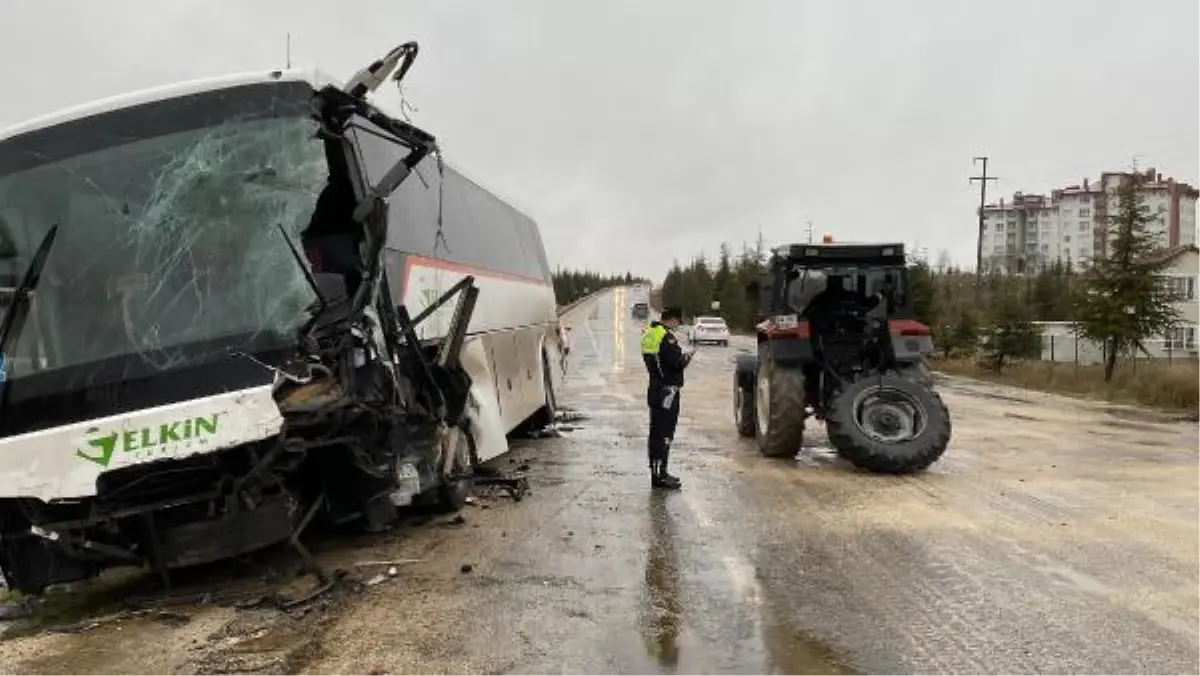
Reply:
x=663, y=479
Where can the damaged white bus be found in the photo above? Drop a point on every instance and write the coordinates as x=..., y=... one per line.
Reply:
x=235, y=305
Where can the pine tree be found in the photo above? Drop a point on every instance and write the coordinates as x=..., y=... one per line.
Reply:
x=921, y=293
x=1122, y=299
x=1011, y=333
x=963, y=336
x=571, y=285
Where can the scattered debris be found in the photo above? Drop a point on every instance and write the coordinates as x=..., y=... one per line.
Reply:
x=250, y=602
x=317, y=592
x=376, y=580
x=569, y=415
x=172, y=619
x=18, y=610
x=466, y=568
x=393, y=563
x=544, y=433
x=74, y=627
x=517, y=487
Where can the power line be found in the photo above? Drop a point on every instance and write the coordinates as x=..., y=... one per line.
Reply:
x=983, y=179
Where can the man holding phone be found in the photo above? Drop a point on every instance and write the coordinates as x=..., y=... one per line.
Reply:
x=665, y=362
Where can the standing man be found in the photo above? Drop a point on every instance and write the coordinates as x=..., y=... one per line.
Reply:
x=665, y=362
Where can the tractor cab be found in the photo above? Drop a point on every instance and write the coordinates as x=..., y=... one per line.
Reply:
x=835, y=288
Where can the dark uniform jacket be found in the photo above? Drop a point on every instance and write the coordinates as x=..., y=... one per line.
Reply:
x=663, y=356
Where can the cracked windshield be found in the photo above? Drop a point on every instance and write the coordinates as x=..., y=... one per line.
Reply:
x=787, y=337
x=168, y=246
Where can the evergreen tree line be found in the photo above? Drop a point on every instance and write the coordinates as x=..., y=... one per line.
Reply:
x=1119, y=301
x=571, y=285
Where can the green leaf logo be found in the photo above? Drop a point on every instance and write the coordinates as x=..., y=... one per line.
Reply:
x=107, y=445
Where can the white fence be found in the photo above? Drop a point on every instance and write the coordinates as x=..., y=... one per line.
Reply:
x=1059, y=343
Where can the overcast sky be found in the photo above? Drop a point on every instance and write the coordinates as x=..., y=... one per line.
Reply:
x=640, y=132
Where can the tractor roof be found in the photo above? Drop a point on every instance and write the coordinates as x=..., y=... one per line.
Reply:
x=844, y=254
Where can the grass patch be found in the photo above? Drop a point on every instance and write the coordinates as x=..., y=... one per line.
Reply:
x=1172, y=386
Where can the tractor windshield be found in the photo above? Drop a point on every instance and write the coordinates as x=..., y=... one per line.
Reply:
x=859, y=280
x=168, y=251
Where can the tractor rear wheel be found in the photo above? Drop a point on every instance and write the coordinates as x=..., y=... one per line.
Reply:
x=889, y=424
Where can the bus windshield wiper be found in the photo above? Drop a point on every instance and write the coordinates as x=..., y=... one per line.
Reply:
x=14, y=320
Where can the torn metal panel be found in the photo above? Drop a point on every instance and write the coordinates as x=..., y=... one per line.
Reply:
x=487, y=425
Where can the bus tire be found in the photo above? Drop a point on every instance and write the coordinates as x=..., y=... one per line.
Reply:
x=545, y=416
x=457, y=480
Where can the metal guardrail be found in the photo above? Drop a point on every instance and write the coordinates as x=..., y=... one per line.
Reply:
x=564, y=309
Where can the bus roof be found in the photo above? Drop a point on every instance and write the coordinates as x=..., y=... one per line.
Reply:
x=312, y=76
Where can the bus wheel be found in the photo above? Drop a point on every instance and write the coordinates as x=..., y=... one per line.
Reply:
x=456, y=480
x=545, y=416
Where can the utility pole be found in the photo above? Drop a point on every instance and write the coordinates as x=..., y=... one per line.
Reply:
x=983, y=179
x=810, y=232
x=289, y=50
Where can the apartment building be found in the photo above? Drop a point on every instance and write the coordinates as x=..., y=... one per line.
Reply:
x=1021, y=234
x=1071, y=224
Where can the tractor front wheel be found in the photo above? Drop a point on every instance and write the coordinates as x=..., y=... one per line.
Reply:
x=779, y=410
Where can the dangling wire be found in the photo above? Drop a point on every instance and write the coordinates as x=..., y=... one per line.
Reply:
x=408, y=53
x=405, y=107
x=441, y=234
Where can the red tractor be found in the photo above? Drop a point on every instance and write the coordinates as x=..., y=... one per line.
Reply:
x=837, y=341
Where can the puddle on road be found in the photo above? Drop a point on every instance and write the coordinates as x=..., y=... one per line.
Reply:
x=661, y=616
x=677, y=623
x=823, y=456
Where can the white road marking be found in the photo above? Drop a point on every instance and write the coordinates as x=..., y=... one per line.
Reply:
x=697, y=511
x=742, y=575
x=737, y=568
x=592, y=337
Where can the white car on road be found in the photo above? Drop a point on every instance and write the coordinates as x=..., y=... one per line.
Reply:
x=709, y=330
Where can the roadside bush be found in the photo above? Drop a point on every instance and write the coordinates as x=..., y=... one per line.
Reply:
x=1173, y=386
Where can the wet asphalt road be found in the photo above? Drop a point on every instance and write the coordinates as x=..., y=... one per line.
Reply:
x=1055, y=536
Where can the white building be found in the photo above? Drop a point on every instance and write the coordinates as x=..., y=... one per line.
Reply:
x=1182, y=276
x=1072, y=224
